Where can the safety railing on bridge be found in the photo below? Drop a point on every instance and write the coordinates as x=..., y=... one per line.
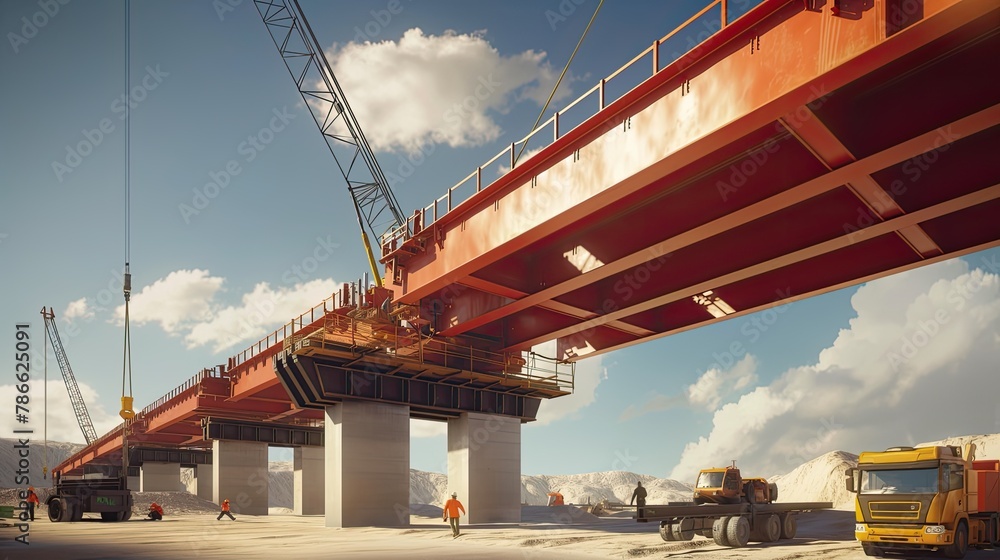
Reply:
x=529, y=368
x=716, y=15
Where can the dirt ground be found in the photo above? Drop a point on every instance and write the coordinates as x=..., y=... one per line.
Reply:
x=542, y=535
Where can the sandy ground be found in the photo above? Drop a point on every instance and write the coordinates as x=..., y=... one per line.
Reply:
x=825, y=535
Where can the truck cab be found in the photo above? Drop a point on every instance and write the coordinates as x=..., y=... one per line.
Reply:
x=726, y=486
x=921, y=499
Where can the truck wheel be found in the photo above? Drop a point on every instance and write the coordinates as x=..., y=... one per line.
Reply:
x=666, y=531
x=773, y=491
x=738, y=531
x=770, y=529
x=749, y=493
x=683, y=530
x=75, y=509
x=871, y=549
x=960, y=545
x=127, y=515
x=57, y=510
x=788, y=526
x=719, y=531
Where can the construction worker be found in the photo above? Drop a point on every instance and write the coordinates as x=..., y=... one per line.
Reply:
x=155, y=512
x=639, y=497
x=450, y=513
x=32, y=500
x=225, y=511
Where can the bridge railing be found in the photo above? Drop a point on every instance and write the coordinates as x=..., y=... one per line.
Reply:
x=193, y=381
x=557, y=125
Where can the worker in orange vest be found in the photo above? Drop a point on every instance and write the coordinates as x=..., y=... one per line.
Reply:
x=225, y=511
x=155, y=512
x=32, y=500
x=450, y=513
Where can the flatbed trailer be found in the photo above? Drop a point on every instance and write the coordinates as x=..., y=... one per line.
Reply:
x=731, y=525
x=74, y=496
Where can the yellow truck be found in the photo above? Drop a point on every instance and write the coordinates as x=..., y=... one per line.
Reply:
x=926, y=498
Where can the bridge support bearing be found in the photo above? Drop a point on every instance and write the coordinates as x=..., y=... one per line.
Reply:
x=160, y=477
x=203, y=482
x=367, y=458
x=239, y=474
x=484, y=466
x=309, y=481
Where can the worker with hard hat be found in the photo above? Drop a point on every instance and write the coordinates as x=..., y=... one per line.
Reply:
x=225, y=511
x=32, y=500
x=155, y=512
x=450, y=513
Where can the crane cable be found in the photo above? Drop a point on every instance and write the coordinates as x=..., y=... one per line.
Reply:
x=126, y=412
x=559, y=81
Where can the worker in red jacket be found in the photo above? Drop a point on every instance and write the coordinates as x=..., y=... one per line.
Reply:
x=225, y=511
x=155, y=512
x=450, y=513
x=32, y=500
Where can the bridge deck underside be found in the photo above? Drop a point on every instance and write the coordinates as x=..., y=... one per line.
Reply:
x=891, y=169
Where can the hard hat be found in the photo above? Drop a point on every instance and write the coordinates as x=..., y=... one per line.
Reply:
x=32, y=488
x=226, y=500
x=454, y=494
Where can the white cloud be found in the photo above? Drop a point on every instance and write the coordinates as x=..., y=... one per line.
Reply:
x=438, y=89
x=184, y=303
x=427, y=428
x=917, y=363
x=258, y=314
x=78, y=309
x=62, y=424
x=708, y=391
x=715, y=384
x=588, y=375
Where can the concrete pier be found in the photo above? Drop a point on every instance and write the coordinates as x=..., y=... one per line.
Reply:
x=239, y=473
x=203, y=482
x=160, y=477
x=309, y=481
x=367, y=448
x=484, y=466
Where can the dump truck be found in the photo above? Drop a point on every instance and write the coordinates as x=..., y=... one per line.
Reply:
x=926, y=498
x=74, y=496
x=726, y=486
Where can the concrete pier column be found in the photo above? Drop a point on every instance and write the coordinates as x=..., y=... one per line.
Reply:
x=367, y=465
x=239, y=473
x=203, y=482
x=160, y=477
x=134, y=483
x=309, y=479
x=484, y=466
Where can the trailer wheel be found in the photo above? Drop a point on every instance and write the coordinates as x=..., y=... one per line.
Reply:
x=127, y=515
x=960, y=546
x=57, y=510
x=770, y=529
x=719, y=531
x=666, y=531
x=75, y=509
x=789, y=526
x=683, y=530
x=872, y=549
x=738, y=531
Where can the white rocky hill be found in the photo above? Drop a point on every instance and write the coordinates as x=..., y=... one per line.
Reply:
x=819, y=480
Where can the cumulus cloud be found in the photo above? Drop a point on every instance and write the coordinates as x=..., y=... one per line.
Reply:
x=78, y=309
x=589, y=374
x=924, y=340
x=425, y=90
x=185, y=303
x=62, y=424
x=711, y=388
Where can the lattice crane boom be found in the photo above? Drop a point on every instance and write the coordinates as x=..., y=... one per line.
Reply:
x=79, y=407
x=374, y=202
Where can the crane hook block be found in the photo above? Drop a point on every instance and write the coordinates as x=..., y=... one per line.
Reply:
x=128, y=282
x=127, y=413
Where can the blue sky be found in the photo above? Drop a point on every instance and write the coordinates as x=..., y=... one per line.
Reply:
x=210, y=81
